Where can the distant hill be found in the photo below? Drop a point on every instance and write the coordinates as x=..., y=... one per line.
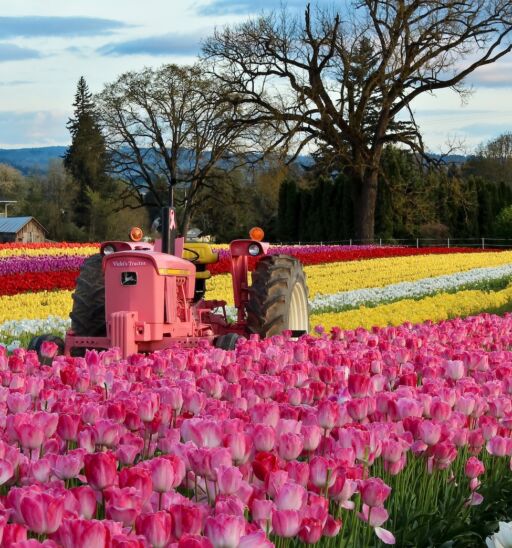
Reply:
x=35, y=160
x=31, y=160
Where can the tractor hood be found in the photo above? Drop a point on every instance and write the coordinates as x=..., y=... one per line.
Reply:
x=164, y=264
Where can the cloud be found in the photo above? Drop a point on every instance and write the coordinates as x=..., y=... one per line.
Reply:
x=166, y=44
x=11, y=83
x=35, y=128
x=40, y=26
x=486, y=130
x=243, y=7
x=11, y=52
x=497, y=75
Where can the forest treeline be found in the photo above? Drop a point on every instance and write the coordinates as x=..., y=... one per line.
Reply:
x=415, y=200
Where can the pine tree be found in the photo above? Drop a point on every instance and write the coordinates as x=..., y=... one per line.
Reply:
x=86, y=159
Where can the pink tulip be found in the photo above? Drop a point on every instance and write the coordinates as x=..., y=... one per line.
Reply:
x=286, y=523
x=255, y=540
x=122, y=504
x=13, y=533
x=68, y=426
x=429, y=432
x=6, y=471
x=263, y=437
x=155, y=527
x=497, y=446
x=82, y=533
x=327, y=414
x=162, y=474
x=310, y=530
x=225, y=531
x=30, y=435
x=323, y=472
x=312, y=435
x=290, y=446
x=358, y=385
x=291, y=496
x=261, y=512
x=67, y=466
x=474, y=468
x=374, y=492
x=86, y=499
x=229, y=479
x=41, y=512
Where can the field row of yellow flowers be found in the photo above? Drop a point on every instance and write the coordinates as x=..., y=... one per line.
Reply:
x=437, y=308
x=330, y=278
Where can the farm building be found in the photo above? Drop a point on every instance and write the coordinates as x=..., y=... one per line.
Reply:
x=21, y=229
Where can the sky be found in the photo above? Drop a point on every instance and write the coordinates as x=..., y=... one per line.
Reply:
x=46, y=45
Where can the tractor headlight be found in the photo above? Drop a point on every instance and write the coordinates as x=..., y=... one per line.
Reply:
x=254, y=250
x=108, y=249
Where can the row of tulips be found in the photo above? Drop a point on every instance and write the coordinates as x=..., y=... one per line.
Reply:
x=353, y=438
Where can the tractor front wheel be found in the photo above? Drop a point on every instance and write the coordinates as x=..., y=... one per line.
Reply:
x=88, y=314
x=278, y=297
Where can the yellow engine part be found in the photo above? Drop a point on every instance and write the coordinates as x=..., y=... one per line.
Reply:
x=206, y=255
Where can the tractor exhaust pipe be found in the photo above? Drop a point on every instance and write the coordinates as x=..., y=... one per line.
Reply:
x=169, y=230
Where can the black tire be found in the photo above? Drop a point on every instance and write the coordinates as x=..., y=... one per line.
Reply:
x=36, y=342
x=88, y=314
x=278, y=288
x=227, y=341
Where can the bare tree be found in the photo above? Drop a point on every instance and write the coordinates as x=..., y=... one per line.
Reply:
x=167, y=127
x=347, y=81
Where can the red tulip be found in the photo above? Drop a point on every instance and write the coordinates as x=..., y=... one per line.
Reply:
x=187, y=520
x=139, y=478
x=68, y=426
x=100, y=470
x=263, y=464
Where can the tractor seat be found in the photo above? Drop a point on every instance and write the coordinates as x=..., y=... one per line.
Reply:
x=199, y=253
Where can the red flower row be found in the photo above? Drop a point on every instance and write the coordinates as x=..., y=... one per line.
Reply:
x=12, y=284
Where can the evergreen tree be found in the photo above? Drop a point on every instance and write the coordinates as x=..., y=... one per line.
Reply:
x=86, y=159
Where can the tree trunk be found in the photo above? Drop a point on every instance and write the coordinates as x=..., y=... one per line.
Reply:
x=365, y=203
x=185, y=222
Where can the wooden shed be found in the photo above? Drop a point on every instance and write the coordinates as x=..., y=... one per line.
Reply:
x=21, y=229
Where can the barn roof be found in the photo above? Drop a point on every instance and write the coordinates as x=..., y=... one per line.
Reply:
x=15, y=224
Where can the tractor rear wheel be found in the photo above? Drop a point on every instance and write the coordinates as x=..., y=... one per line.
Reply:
x=88, y=314
x=278, y=297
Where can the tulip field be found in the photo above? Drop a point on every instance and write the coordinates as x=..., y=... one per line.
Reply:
x=389, y=424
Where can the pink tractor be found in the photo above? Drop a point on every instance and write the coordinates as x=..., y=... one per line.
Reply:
x=142, y=297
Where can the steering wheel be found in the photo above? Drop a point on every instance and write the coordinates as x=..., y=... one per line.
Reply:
x=197, y=256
